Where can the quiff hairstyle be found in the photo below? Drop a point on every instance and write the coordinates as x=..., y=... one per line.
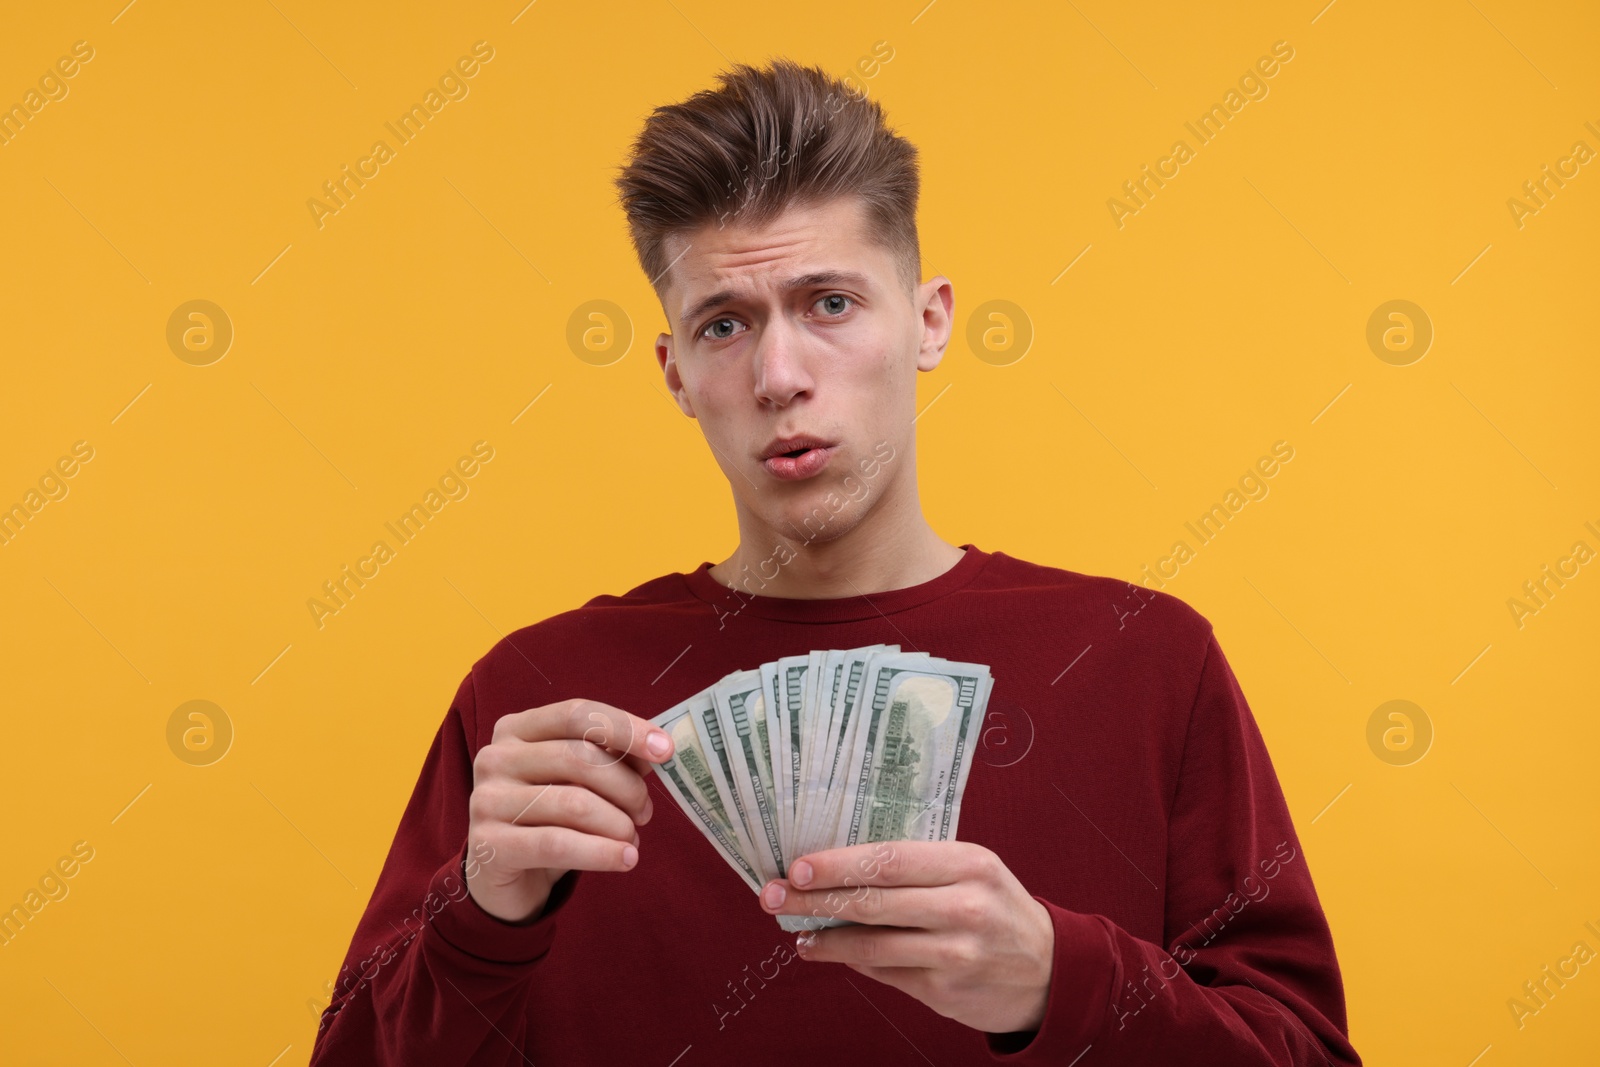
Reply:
x=767, y=140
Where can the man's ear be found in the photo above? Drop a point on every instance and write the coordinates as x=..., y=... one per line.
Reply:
x=669, y=369
x=936, y=303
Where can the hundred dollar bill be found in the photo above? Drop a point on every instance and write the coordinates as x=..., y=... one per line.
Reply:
x=838, y=745
x=717, y=744
x=912, y=755
x=908, y=762
x=689, y=780
x=814, y=769
x=785, y=685
x=825, y=749
x=835, y=688
x=810, y=704
x=741, y=710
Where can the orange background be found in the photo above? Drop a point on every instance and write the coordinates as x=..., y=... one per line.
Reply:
x=1167, y=354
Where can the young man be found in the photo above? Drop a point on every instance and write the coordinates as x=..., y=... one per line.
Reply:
x=1127, y=887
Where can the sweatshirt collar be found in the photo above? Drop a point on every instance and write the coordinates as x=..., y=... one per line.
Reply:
x=841, y=609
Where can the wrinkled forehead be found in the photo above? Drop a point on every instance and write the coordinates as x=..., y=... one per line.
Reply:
x=812, y=245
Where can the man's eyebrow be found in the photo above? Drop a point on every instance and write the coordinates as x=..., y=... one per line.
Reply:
x=804, y=281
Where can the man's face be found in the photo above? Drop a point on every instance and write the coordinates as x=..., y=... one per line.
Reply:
x=801, y=328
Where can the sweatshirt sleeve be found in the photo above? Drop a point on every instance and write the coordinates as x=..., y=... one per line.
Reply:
x=430, y=977
x=1247, y=976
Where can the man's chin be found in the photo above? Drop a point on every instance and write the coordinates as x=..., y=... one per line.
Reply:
x=820, y=512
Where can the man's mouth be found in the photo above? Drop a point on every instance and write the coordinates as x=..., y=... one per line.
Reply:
x=796, y=458
x=793, y=447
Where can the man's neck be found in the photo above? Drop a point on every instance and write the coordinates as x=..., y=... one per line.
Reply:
x=892, y=548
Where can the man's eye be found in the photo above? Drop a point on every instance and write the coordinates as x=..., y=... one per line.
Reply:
x=836, y=296
x=713, y=325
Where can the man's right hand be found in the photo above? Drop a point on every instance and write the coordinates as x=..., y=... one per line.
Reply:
x=559, y=788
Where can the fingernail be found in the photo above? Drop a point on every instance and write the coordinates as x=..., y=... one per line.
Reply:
x=773, y=896
x=805, y=941
x=800, y=873
x=630, y=856
x=658, y=743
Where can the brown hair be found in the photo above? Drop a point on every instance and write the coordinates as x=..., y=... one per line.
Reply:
x=768, y=139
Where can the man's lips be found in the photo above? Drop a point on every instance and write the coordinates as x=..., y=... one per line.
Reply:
x=793, y=445
x=806, y=464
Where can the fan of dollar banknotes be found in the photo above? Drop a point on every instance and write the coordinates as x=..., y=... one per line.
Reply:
x=822, y=750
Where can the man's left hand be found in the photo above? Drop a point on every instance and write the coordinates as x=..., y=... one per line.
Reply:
x=943, y=921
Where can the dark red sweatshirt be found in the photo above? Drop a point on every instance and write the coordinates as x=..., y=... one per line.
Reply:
x=1120, y=776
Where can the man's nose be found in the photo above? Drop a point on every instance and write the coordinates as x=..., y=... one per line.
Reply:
x=780, y=363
